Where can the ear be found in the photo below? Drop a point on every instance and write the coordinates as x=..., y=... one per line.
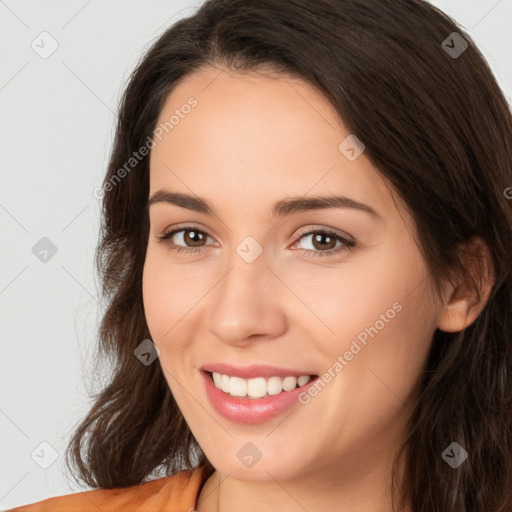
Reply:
x=461, y=304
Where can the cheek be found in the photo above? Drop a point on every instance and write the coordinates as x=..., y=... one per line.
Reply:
x=170, y=295
x=153, y=298
x=160, y=299
x=163, y=307
x=378, y=311
x=391, y=347
x=345, y=301
x=161, y=302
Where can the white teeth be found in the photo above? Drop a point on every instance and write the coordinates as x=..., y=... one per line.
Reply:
x=225, y=383
x=302, y=380
x=217, y=379
x=274, y=385
x=289, y=383
x=237, y=386
x=258, y=387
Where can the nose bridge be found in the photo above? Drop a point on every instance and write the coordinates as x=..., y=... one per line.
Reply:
x=245, y=301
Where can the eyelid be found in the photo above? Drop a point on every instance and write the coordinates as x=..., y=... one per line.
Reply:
x=348, y=243
x=185, y=226
x=170, y=232
x=302, y=231
x=308, y=229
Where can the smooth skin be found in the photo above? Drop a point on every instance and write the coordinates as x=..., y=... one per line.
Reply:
x=253, y=140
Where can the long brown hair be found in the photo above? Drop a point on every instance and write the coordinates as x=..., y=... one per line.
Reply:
x=434, y=123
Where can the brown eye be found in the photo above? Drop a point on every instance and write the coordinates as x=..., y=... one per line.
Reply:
x=194, y=239
x=324, y=243
x=190, y=239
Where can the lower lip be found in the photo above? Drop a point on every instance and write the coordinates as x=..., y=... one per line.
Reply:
x=249, y=410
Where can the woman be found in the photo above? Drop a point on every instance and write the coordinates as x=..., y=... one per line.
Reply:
x=306, y=251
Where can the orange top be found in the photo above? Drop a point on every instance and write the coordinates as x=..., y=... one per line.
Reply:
x=176, y=493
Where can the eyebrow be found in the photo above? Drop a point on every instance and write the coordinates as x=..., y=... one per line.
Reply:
x=279, y=209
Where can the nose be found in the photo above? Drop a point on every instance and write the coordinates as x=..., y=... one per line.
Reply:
x=247, y=303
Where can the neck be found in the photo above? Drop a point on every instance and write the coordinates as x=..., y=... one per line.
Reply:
x=360, y=485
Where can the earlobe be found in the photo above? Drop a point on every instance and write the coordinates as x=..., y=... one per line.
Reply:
x=461, y=305
x=459, y=312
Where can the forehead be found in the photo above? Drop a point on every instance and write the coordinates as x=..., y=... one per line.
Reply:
x=250, y=138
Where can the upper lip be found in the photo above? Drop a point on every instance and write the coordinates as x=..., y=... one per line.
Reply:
x=253, y=370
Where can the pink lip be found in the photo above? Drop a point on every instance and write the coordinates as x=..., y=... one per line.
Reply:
x=248, y=410
x=252, y=371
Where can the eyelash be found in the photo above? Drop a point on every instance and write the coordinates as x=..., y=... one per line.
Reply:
x=348, y=244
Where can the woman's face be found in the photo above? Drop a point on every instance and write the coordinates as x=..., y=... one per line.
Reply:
x=267, y=286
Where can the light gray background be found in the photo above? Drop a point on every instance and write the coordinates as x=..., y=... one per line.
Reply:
x=56, y=124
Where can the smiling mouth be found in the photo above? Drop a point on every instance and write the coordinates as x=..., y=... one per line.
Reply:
x=258, y=387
